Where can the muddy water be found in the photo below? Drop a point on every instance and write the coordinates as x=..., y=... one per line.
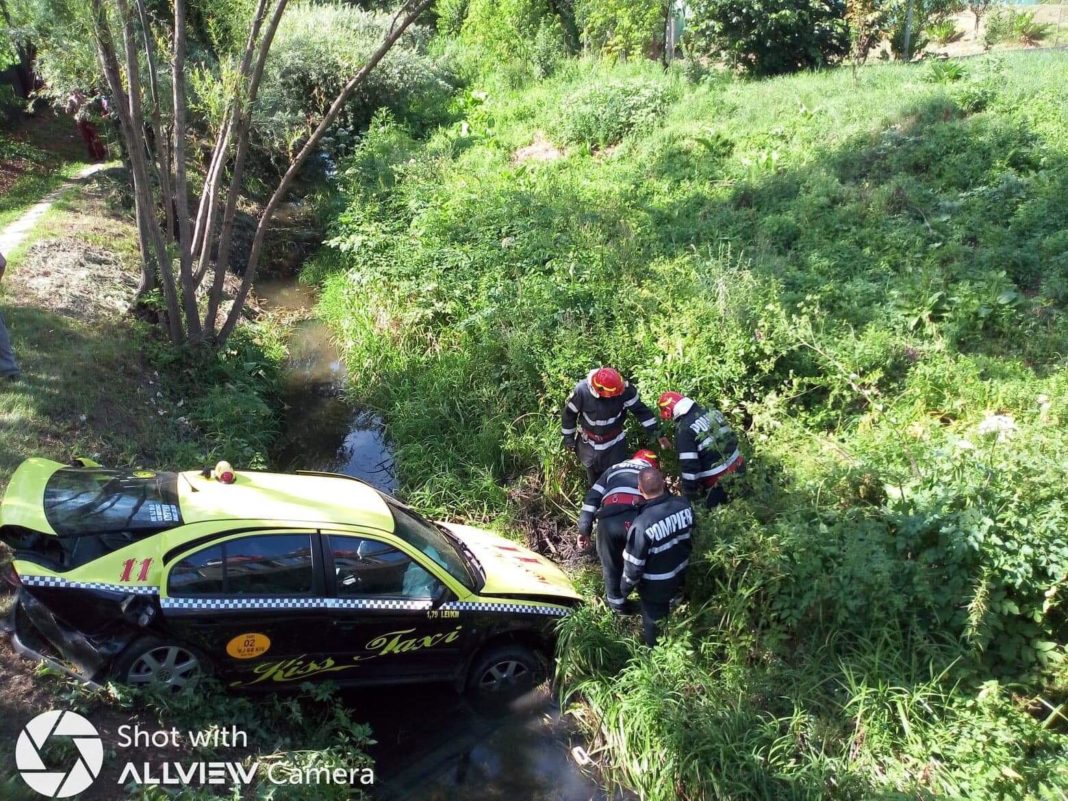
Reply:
x=432, y=744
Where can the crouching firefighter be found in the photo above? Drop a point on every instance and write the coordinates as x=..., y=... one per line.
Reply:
x=614, y=502
x=593, y=417
x=707, y=447
x=658, y=551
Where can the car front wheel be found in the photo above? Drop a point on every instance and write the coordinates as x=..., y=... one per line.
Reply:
x=160, y=664
x=506, y=671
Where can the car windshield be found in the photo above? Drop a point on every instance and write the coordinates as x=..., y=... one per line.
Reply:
x=434, y=543
x=78, y=501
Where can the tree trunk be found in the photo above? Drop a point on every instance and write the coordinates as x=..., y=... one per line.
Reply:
x=207, y=214
x=128, y=108
x=181, y=186
x=193, y=240
x=243, y=123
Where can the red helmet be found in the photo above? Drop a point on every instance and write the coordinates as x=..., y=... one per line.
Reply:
x=667, y=404
x=606, y=382
x=648, y=456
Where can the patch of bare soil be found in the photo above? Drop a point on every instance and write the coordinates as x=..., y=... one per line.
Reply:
x=546, y=528
x=541, y=149
x=76, y=279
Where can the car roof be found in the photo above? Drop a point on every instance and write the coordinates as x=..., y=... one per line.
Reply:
x=318, y=499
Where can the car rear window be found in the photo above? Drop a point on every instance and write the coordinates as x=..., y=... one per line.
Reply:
x=80, y=501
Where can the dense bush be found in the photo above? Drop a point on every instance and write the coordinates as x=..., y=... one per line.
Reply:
x=514, y=40
x=870, y=278
x=621, y=28
x=772, y=37
x=601, y=114
x=317, y=49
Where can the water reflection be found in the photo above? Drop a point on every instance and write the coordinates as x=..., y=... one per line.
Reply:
x=433, y=744
x=453, y=748
x=321, y=431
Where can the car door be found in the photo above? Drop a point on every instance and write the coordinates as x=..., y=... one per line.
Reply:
x=385, y=613
x=254, y=604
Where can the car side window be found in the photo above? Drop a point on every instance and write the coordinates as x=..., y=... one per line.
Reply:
x=198, y=574
x=265, y=564
x=364, y=567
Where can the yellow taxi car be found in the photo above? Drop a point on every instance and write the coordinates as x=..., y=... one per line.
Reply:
x=266, y=580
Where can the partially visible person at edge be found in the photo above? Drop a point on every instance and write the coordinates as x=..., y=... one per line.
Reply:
x=79, y=107
x=614, y=501
x=593, y=416
x=658, y=551
x=707, y=447
x=9, y=369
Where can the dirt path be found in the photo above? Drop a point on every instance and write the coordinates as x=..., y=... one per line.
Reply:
x=15, y=232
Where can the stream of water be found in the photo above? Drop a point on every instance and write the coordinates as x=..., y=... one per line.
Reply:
x=432, y=744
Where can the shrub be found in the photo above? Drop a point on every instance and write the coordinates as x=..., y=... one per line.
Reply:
x=451, y=15
x=944, y=31
x=1029, y=31
x=1008, y=25
x=946, y=72
x=513, y=39
x=316, y=50
x=925, y=14
x=772, y=37
x=620, y=28
x=601, y=114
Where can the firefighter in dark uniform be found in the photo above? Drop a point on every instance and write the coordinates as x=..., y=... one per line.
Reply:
x=614, y=502
x=658, y=550
x=593, y=417
x=707, y=447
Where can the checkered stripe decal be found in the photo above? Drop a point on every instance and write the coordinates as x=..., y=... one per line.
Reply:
x=367, y=603
x=293, y=603
x=240, y=603
x=67, y=584
x=479, y=606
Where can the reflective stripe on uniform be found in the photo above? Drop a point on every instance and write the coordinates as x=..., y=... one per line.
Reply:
x=567, y=431
x=586, y=507
x=633, y=560
x=670, y=543
x=664, y=576
x=603, y=446
x=572, y=407
x=688, y=455
x=607, y=422
x=715, y=471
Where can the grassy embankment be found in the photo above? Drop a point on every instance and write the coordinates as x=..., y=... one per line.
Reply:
x=98, y=383
x=869, y=278
x=35, y=158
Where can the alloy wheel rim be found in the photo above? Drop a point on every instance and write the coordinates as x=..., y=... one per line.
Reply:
x=169, y=666
x=506, y=673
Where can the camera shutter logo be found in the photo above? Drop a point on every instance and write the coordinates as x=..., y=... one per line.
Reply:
x=83, y=766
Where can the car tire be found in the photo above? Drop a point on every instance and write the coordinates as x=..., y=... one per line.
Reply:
x=152, y=661
x=506, y=671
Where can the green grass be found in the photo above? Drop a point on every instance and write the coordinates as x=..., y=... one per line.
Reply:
x=98, y=383
x=36, y=157
x=868, y=278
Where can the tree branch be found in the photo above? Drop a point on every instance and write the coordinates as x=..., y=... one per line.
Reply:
x=411, y=11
